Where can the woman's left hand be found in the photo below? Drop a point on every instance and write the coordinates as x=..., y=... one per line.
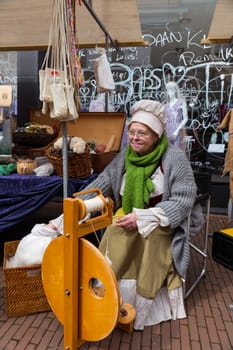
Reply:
x=128, y=222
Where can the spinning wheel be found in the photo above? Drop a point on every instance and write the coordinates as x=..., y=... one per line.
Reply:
x=70, y=267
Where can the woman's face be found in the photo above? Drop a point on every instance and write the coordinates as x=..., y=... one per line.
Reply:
x=141, y=138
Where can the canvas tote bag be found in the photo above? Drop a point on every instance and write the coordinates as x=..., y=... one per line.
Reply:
x=57, y=85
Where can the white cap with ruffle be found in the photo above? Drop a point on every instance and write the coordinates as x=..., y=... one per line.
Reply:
x=150, y=113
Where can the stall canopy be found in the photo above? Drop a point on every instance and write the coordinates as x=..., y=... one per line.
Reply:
x=221, y=27
x=24, y=25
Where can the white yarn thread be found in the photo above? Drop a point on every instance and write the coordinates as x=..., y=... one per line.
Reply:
x=107, y=252
x=97, y=204
x=107, y=258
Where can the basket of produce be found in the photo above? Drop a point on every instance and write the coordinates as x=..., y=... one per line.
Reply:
x=35, y=135
x=79, y=157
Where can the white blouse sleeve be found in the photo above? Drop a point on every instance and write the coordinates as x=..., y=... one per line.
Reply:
x=149, y=219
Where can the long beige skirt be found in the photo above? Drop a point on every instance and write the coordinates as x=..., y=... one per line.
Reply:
x=146, y=260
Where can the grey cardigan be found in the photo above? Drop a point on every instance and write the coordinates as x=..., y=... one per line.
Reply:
x=177, y=200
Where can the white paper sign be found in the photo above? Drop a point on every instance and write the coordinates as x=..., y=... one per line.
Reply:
x=216, y=148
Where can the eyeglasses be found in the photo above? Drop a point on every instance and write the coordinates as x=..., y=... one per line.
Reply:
x=140, y=134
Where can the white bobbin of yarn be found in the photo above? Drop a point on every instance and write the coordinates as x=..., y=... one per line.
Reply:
x=94, y=204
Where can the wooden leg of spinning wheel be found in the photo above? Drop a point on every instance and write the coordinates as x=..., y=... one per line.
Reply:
x=126, y=318
x=127, y=328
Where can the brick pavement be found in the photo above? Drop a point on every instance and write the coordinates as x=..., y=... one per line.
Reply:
x=208, y=325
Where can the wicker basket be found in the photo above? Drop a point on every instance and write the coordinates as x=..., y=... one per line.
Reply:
x=23, y=286
x=26, y=166
x=79, y=165
x=33, y=139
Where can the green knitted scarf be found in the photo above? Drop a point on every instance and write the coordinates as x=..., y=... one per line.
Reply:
x=138, y=185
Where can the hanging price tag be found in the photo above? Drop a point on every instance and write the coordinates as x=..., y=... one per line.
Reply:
x=5, y=95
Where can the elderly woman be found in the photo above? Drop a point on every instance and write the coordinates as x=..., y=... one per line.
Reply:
x=153, y=188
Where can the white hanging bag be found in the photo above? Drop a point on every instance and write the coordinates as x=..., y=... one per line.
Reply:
x=49, y=72
x=57, y=88
x=103, y=74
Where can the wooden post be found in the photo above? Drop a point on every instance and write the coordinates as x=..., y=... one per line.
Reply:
x=71, y=278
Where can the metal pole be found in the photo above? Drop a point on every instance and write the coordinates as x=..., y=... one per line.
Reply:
x=90, y=9
x=65, y=159
x=106, y=93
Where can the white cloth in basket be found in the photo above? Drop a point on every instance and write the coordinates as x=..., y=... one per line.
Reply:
x=31, y=248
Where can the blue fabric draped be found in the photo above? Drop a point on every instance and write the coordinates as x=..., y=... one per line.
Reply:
x=20, y=195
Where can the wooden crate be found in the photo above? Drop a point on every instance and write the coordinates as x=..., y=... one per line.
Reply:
x=102, y=127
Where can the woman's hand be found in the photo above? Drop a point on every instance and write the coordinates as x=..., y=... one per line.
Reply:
x=128, y=222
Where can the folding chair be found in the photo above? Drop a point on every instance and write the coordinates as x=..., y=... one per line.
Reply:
x=203, y=184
